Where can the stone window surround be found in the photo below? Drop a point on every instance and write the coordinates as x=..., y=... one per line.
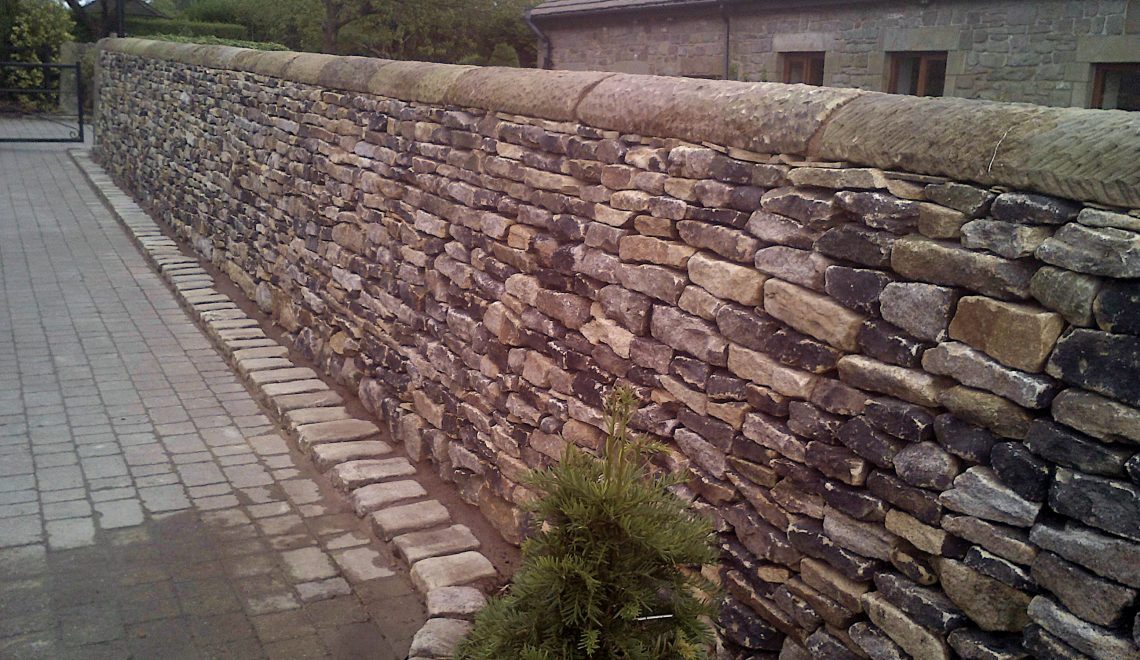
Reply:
x=1093, y=50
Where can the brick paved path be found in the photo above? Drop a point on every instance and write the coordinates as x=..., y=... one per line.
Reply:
x=147, y=507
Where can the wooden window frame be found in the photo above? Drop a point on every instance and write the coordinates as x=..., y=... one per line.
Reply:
x=1100, y=70
x=924, y=57
x=807, y=58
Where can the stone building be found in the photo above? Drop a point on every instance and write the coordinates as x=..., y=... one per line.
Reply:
x=1083, y=53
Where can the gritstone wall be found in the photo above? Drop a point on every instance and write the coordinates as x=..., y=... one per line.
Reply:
x=893, y=341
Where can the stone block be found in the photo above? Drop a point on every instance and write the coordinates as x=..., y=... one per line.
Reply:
x=1107, y=504
x=922, y=504
x=922, y=310
x=973, y=644
x=1018, y=336
x=940, y=222
x=948, y=264
x=1086, y=637
x=1031, y=208
x=964, y=440
x=978, y=492
x=729, y=243
x=727, y=280
x=1064, y=446
x=863, y=246
x=1108, y=556
x=865, y=538
x=875, y=643
x=1117, y=307
x=1102, y=251
x=907, y=384
x=1011, y=543
x=629, y=308
x=1017, y=467
x=1067, y=293
x=909, y=635
x=415, y=546
x=991, y=605
x=379, y=495
x=1093, y=599
x=690, y=334
x=351, y=475
x=926, y=465
x=654, y=281
x=326, y=456
x=455, y=602
x=779, y=230
x=837, y=463
x=812, y=207
x=927, y=606
x=813, y=314
x=1040, y=644
x=763, y=370
x=655, y=251
x=1005, y=239
x=878, y=448
x=971, y=367
x=880, y=210
x=900, y=419
x=439, y=638
x=999, y=415
x=971, y=200
x=883, y=341
x=405, y=518
x=1097, y=416
x=342, y=430
x=803, y=267
x=857, y=288
x=1098, y=361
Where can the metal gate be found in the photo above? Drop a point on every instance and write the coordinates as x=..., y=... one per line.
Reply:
x=31, y=98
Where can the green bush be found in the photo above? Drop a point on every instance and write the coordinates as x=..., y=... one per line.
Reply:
x=37, y=29
x=217, y=41
x=612, y=571
x=141, y=27
x=503, y=55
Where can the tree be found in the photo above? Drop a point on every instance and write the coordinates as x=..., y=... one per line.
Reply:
x=36, y=30
x=612, y=571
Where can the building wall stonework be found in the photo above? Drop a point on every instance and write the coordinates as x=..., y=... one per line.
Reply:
x=909, y=402
x=1039, y=52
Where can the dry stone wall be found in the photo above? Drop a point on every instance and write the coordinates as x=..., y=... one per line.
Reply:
x=905, y=383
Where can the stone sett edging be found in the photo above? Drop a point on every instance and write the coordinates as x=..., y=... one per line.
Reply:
x=1069, y=152
x=443, y=557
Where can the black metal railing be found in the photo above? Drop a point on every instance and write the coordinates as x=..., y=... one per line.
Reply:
x=49, y=85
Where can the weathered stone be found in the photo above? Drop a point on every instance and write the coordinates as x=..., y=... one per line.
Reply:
x=1018, y=336
x=856, y=288
x=835, y=397
x=689, y=334
x=875, y=643
x=991, y=605
x=926, y=465
x=327, y=455
x=1009, y=240
x=1040, y=644
x=409, y=518
x=928, y=607
x=837, y=462
x=907, y=384
x=451, y=570
x=814, y=208
x=1007, y=572
x=729, y=243
x=1093, y=599
x=931, y=540
x=880, y=210
x=1031, y=208
x=865, y=538
x=415, y=546
x=763, y=370
x=1086, y=637
x=926, y=260
x=1067, y=293
x=1011, y=543
x=781, y=231
x=923, y=310
x=1064, y=446
x=655, y=251
x=1099, y=361
x=344, y=430
x=1111, y=505
x=900, y=419
x=803, y=267
x=654, y=281
x=703, y=453
x=772, y=434
x=455, y=602
x=626, y=307
x=806, y=534
x=1020, y=470
x=971, y=367
x=940, y=222
x=1105, y=555
x=742, y=626
x=1097, y=416
x=964, y=440
x=822, y=577
x=917, y=566
x=812, y=314
x=761, y=538
x=354, y=474
x=922, y=504
x=826, y=646
x=838, y=178
x=883, y=341
x=1093, y=250
x=865, y=441
x=973, y=644
x=973, y=201
x=727, y=280
x=978, y=492
x=861, y=245
x=439, y=638
x=1117, y=307
x=984, y=409
x=913, y=638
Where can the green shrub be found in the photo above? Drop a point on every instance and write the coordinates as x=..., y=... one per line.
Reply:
x=612, y=571
x=473, y=58
x=37, y=29
x=503, y=55
x=217, y=41
x=142, y=27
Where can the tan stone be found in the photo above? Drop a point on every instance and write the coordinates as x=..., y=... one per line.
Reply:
x=727, y=280
x=913, y=638
x=763, y=370
x=813, y=314
x=929, y=539
x=655, y=250
x=1016, y=335
x=999, y=415
x=907, y=384
x=990, y=604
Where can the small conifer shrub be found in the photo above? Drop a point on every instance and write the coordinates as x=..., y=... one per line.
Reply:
x=613, y=571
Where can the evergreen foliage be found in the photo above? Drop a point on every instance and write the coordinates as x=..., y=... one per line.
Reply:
x=613, y=571
x=503, y=55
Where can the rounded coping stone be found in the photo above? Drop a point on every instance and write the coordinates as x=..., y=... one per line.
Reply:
x=1069, y=152
x=306, y=67
x=1088, y=155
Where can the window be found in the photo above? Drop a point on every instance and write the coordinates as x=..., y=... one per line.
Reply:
x=806, y=68
x=918, y=73
x=1116, y=87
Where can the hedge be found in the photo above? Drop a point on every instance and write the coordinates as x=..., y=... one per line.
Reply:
x=139, y=27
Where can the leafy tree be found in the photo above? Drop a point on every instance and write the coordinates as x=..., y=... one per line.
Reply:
x=612, y=572
x=503, y=55
x=37, y=29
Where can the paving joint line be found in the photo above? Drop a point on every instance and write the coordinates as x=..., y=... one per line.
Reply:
x=443, y=557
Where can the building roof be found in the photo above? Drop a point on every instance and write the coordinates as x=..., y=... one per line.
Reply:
x=573, y=8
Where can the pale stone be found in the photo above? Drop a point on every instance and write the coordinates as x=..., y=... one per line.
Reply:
x=813, y=314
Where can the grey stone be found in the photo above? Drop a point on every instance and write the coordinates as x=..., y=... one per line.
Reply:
x=1086, y=637
x=978, y=492
x=974, y=368
x=1010, y=543
x=689, y=334
x=1024, y=473
x=451, y=570
x=875, y=643
x=973, y=644
x=908, y=634
x=923, y=310
x=1093, y=599
x=1064, y=446
x=327, y=455
x=1108, y=556
x=351, y=475
x=455, y=602
x=308, y=564
x=890, y=344
x=803, y=267
x=860, y=245
x=1097, y=416
x=379, y=495
x=973, y=201
x=865, y=538
x=362, y=564
x=814, y=208
x=926, y=465
x=1007, y=572
x=928, y=606
x=903, y=420
x=1093, y=250
x=1009, y=240
x=1108, y=504
x=964, y=440
x=880, y=210
x=856, y=288
x=404, y=518
x=1099, y=218
x=991, y=605
x=1117, y=307
x=1098, y=361
x=1047, y=647
x=878, y=448
x=323, y=589
x=1031, y=208
x=1067, y=293
x=439, y=638
x=948, y=264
